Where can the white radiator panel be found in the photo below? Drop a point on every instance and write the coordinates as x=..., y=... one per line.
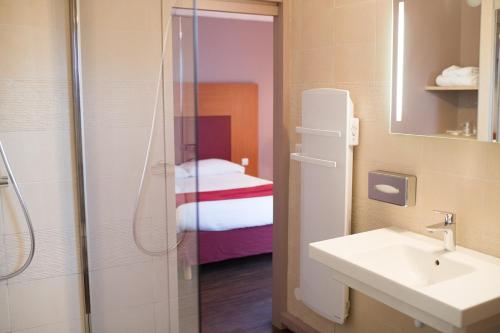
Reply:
x=328, y=132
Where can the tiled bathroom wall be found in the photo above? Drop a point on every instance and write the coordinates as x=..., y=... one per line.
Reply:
x=346, y=44
x=35, y=128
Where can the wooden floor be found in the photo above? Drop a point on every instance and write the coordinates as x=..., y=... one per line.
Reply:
x=236, y=296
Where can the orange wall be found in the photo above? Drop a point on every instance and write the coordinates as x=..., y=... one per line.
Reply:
x=240, y=101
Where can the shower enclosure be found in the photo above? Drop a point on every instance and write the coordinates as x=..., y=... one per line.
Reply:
x=91, y=94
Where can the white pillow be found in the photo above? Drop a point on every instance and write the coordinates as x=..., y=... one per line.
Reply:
x=212, y=167
x=181, y=173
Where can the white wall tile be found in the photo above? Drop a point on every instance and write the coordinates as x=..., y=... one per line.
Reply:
x=46, y=108
x=3, y=257
x=118, y=104
x=161, y=320
x=43, y=302
x=121, y=287
x=100, y=155
x=121, y=54
x=39, y=13
x=72, y=326
x=51, y=205
x=114, y=175
x=161, y=279
x=99, y=192
x=34, y=50
x=4, y=308
x=55, y=254
x=39, y=156
x=112, y=244
x=138, y=319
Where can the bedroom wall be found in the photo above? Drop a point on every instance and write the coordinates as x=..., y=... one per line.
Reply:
x=242, y=51
x=346, y=44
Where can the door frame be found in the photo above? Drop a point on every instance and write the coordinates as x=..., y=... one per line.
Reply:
x=281, y=10
x=281, y=161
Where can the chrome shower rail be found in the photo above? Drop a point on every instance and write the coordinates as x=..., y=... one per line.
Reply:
x=5, y=182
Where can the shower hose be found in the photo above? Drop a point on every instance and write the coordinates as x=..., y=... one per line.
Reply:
x=145, y=168
x=12, y=179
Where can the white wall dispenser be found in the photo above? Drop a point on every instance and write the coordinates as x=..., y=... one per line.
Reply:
x=329, y=132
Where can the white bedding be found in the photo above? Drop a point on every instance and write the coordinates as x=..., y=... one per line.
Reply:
x=224, y=214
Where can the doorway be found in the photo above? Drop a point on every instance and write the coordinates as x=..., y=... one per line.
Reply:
x=235, y=75
x=234, y=149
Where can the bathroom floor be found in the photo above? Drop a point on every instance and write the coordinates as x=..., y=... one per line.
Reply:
x=236, y=295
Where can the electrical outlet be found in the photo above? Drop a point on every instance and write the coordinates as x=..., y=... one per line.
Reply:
x=245, y=161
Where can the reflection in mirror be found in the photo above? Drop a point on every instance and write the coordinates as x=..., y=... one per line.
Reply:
x=436, y=67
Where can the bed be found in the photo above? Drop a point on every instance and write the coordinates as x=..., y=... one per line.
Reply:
x=235, y=214
x=235, y=206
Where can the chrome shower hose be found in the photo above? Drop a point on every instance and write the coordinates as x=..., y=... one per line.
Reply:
x=145, y=167
x=26, y=217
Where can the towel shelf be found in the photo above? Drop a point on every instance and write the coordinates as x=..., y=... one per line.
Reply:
x=451, y=88
x=311, y=160
x=315, y=131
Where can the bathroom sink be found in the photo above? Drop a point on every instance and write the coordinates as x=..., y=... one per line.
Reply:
x=455, y=292
x=412, y=266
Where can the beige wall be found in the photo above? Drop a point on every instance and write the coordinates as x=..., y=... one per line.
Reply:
x=346, y=44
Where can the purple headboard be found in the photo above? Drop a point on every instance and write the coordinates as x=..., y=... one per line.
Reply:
x=214, y=138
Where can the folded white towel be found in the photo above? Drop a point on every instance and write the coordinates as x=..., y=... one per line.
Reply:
x=449, y=70
x=453, y=81
x=460, y=71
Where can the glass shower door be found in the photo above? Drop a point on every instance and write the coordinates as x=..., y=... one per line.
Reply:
x=138, y=83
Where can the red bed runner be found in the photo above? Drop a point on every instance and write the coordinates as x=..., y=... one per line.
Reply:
x=211, y=246
x=234, y=193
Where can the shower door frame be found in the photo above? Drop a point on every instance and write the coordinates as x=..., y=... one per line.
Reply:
x=78, y=139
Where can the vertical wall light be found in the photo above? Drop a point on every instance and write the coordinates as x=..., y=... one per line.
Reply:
x=400, y=61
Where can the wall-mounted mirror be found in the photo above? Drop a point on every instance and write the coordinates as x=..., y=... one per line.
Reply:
x=438, y=49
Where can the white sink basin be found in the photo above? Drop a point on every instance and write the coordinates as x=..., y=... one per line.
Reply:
x=411, y=266
x=453, y=292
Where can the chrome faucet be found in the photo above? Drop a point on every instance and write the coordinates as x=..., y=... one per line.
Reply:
x=448, y=228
